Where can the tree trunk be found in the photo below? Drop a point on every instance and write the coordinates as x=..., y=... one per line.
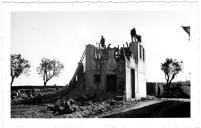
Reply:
x=12, y=79
x=45, y=82
x=168, y=83
x=172, y=78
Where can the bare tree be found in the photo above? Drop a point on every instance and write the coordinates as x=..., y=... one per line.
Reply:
x=49, y=68
x=18, y=66
x=171, y=68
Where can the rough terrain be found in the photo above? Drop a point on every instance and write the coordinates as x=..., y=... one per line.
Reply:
x=53, y=103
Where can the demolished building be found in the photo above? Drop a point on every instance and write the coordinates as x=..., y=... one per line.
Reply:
x=120, y=71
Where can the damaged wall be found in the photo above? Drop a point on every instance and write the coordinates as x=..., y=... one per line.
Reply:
x=118, y=70
x=96, y=67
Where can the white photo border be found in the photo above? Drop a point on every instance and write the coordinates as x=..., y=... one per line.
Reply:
x=7, y=121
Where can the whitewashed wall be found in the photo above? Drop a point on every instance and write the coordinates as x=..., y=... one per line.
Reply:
x=128, y=81
x=140, y=77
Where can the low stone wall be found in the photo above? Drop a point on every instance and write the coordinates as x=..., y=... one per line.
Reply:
x=34, y=87
x=21, y=93
x=178, y=90
x=155, y=89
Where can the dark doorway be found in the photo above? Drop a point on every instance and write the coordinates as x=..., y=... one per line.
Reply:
x=111, y=83
x=133, y=83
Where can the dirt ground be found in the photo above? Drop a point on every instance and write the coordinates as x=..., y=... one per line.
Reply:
x=104, y=109
x=97, y=109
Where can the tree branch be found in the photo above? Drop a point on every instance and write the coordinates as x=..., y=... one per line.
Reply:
x=53, y=74
x=173, y=76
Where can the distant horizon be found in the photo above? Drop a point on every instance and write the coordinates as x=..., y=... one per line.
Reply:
x=65, y=85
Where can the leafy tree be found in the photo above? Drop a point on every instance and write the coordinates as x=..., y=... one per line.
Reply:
x=18, y=66
x=171, y=68
x=49, y=68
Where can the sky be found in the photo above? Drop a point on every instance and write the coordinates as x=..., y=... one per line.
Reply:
x=63, y=36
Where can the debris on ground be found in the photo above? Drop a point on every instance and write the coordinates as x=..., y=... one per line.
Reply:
x=63, y=106
x=54, y=103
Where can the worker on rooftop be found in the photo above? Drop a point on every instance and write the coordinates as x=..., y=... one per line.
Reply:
x=133, y=34
x=102, y=42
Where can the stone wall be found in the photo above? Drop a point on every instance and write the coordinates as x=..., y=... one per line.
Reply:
x=94, y=66
x=120, y=70
x=101, y=63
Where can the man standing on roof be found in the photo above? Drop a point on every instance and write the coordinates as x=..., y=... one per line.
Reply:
x=133, y=34
x=102, y=42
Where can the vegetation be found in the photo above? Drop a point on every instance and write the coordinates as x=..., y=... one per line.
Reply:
x=171, y=68
x=18, y=66
x=49, y=68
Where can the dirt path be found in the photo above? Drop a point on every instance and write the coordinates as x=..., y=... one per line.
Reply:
x=131, y=106
x=130, y=109
x=160, y=109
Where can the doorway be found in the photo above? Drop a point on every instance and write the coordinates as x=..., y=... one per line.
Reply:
x=133, y=83
x=111, y=81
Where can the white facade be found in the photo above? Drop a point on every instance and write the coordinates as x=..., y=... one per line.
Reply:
x=136, y=73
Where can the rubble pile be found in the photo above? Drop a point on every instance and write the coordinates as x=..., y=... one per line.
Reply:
x=96, y=109
x=80, y=108
x=93, y=109
x=63, y=106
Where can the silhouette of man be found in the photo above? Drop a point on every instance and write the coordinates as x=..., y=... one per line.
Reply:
x=139, y=38
x=102, y=42
x=133, y=34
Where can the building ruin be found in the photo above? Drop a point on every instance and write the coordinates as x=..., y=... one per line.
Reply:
x=118, y=70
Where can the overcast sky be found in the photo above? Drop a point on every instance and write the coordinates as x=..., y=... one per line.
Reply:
x=63, y=35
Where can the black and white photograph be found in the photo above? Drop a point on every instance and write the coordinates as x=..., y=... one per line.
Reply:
x=107, y=63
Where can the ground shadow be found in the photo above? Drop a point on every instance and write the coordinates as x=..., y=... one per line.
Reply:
x=166, y=109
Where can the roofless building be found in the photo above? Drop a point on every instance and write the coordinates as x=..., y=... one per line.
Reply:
x=114, y=71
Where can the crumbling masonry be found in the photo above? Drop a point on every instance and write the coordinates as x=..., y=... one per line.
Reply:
x=119, y=71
